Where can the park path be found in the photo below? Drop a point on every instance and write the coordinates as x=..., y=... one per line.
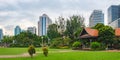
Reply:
x=14, y=56
x=27, y=55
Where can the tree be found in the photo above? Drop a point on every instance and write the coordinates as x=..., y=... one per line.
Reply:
x=98, y=26
x=106, y=34
x=66, y=41
x=60, y=42
x=7, y=40
x=52, y=31
x=45, y=40
x=56, y=42
x=24, y=39
x=116, y=43
x=77, y=33
x=61, y=25
x=74, y=26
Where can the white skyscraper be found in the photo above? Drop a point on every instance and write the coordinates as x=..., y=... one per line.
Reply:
x=43, y=23
x=32, y=30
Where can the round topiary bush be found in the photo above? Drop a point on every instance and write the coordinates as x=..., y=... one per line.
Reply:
x=45, y=51
x=95, y=46
x=31, y=50
x=76, y=45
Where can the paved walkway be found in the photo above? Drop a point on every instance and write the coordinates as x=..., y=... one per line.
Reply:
x=14, y=56
x=113, y=50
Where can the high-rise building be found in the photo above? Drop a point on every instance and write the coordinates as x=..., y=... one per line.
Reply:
x=32, y=30
x=43, y=23
x=1, y=34
x=17, y=30
x=97, y=16
x=115, y=24
x=113, y=13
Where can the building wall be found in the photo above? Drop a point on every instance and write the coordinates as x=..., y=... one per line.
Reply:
x=1, y=34
x=96, y=17
x=114, y=16
x=115, y=24
x=32, y=30
x=17, y=30
x=113, y=13
x=43, y=24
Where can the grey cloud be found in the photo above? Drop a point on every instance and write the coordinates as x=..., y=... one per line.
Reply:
x=30, y=10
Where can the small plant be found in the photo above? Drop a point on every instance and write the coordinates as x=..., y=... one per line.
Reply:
x=76, y=45
x=31, y=50
x=95, y=46
x=45, y=51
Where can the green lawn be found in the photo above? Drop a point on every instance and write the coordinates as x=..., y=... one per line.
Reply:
x=75, y=55
x=12, y=51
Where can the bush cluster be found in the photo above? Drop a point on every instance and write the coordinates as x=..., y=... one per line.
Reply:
x=76, y=45
x=95, y=46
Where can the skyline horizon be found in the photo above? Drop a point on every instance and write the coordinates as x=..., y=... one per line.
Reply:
x=29, y=11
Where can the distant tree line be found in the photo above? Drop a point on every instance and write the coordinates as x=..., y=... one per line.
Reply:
x=64, y=33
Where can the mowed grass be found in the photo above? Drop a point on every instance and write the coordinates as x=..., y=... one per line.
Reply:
x=81, y=56
x=12, y=51
x=71, y=55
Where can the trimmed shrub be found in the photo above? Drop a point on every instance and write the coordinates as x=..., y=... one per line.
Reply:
x=31, y=50
x=76, y=45
x=95, y=46
x=45, y=51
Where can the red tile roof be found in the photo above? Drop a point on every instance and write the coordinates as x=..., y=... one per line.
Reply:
x=92, y=32
x=117, y=32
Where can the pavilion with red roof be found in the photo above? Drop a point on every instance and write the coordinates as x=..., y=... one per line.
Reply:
x=89, y=33
x=92, y=34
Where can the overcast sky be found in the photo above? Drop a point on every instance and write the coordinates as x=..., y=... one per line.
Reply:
x=26, y=13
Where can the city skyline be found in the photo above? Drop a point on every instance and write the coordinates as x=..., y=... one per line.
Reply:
x=26, y=13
